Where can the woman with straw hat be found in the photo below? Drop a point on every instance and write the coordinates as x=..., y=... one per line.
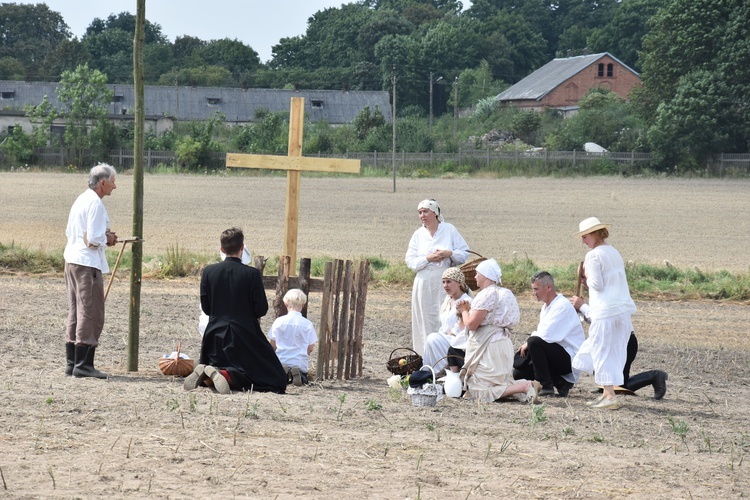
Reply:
x=604, y=352
x=489, y=352
x=433, y=248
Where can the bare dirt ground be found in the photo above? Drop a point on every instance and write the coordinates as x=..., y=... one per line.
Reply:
x=138, y=434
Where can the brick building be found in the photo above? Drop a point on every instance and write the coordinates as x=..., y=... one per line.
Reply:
x=562, y=82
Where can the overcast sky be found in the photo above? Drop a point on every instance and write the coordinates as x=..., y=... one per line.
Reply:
x=258, y=23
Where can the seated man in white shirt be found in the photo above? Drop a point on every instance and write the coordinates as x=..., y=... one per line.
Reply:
x=547, y=353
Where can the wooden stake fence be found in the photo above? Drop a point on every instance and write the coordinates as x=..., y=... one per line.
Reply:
x=342, y=315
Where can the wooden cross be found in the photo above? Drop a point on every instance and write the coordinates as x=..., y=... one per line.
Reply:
x=293, y=163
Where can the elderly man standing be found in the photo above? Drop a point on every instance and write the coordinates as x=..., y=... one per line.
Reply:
x=547, y=353
x=88, y=235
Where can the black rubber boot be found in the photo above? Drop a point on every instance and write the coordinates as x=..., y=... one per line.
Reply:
x=84, y=366
x=70, y=355
x=656, y=378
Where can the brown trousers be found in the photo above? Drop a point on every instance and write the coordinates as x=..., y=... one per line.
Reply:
x=85, y=287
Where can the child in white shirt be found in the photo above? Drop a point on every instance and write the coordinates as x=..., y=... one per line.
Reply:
x=293, y=336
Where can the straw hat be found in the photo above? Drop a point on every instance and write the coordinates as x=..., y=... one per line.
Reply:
x=589, y=225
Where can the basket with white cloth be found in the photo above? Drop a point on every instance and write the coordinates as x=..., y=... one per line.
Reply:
x=428, y=394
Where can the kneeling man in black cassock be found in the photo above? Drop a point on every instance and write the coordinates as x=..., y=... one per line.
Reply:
x=235, y=353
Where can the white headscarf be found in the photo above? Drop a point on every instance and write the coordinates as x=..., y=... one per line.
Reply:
x=433, y=206
x=490, y=269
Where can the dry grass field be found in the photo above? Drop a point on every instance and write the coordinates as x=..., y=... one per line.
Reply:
x=689, y=222
x=139, y=435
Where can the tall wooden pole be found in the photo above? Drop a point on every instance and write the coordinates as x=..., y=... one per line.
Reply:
x=455, y=108
x=393, y=125
x=137, y=247
x=291, y=221
x=431, y=84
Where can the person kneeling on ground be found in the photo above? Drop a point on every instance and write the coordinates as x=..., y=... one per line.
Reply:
x=547, y=353
x=656, y=378
x=293, y=336
x=490, y=317
x=235, y=354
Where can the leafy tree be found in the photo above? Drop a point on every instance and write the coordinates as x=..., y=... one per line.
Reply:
x=526, y=124
x=42, y=116
x=66, y=56
x=451, y=45
x=19, y=145
x=331, y=39
x=401, y=52
x=110, y=46
x=125, y=21
x=29, y=33
x=380, y=24
x=623, y=35
x=367, y=120
x=695, y=72
x=603, y=118
x=83, y=96
x=697, y=122
x=203, y=76
x=11, y=69
x=194, y=150
x=268, y=133
x=184, y=47
x=477, y=84
x=233, y=55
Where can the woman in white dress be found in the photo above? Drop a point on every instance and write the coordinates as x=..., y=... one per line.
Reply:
x=489, y=354
x=605, y=351
x=433, y=248
x=451, y=332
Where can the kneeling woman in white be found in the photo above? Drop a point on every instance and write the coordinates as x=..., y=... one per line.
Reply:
x=451, y=333
x=489, y=353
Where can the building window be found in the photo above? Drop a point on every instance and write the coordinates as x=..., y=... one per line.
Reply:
x=118, y=98
x=9, y=95
x=213, y=100
x=59, y=132
x=610, y=68
x=600, y=73
x=316, y=103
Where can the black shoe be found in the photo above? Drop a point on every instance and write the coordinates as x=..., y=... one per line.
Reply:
x=84, y=365
x=563, y=388
x=547, y=391
x=660, y=384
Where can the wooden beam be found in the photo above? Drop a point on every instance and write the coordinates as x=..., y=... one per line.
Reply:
x=301, y=163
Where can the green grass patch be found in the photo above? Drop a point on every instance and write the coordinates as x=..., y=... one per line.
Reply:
x=15, y=259
x=646, y=281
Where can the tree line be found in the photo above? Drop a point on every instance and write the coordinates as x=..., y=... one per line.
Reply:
x=692, y=55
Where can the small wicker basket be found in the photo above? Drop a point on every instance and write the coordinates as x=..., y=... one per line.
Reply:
x=178, y=366
x=428, y=394
x=403, y=365
x=470, y=270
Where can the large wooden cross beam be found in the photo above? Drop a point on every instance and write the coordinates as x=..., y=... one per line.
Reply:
x=293, y=163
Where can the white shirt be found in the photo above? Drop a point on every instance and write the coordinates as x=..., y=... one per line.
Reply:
x=88, y=223
x=293, y=334
x=559, y=324
x=608, y=286
x=422, y=244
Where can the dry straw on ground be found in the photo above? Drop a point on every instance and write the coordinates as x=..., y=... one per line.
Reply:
x=140, y=435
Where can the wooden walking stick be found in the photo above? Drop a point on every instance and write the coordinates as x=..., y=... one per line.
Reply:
x=580, y=275
x=117, y=262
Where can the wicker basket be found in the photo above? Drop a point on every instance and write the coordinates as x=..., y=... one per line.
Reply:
x=178, y=366
x=428, y=394
x=412, y=362
x=470, y=270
